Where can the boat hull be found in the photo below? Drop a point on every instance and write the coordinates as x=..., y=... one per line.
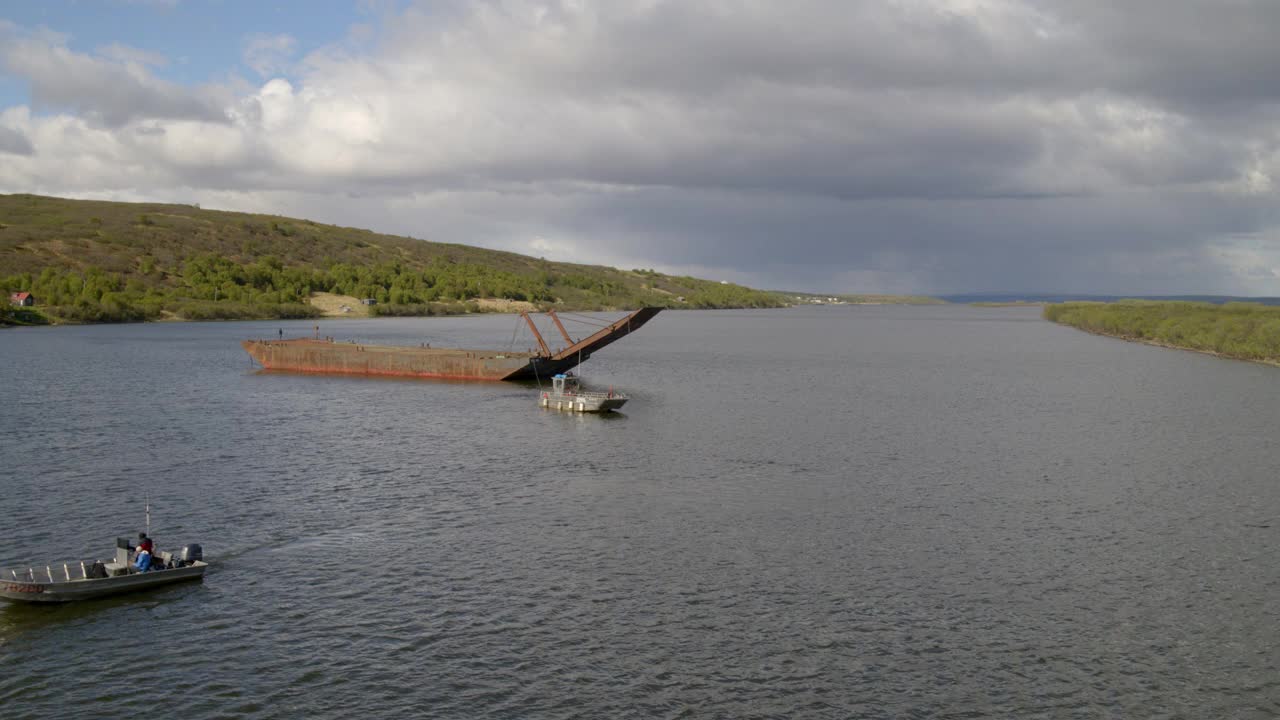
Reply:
x=88, y=589
x=332, y=358
x=581, y=403
x=337, y=358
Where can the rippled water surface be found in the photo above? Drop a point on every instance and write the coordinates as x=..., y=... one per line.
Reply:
x=829, y=512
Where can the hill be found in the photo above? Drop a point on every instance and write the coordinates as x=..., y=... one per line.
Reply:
x=95, y=261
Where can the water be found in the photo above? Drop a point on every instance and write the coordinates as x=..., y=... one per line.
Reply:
x=822, y=512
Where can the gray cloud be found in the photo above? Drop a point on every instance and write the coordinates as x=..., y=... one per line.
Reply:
x=14, y=142
x=916, y=146
x=852, y=100
x=1202, y=57
x=114, y=89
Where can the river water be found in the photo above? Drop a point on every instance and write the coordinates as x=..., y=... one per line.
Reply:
x=823, y=512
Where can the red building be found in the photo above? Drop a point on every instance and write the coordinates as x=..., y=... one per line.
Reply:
x=22, y=299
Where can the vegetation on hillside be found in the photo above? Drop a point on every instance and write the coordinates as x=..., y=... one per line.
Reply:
x=1246, y=331
x=91, y=261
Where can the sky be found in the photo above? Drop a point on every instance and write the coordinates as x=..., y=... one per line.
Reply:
x=842, y=146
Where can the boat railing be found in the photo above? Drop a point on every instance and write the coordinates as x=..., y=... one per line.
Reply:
x=53, y=573
x=588, y=393
x=592, y=394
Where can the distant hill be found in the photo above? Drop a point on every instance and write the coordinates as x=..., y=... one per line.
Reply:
x=94, y=261
x=1006, y=298
x=821, y=299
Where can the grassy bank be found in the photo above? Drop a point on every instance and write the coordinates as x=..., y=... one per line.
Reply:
x=13, y=316
x=1244, y=331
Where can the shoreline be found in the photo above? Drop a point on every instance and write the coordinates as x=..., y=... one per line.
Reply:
x=1169, y=346
x=172, y=319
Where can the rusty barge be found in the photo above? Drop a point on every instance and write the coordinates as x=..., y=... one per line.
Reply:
x=329, y=357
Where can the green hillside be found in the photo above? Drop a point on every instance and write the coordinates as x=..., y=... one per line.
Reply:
x=92, y=261
x=1246, y=331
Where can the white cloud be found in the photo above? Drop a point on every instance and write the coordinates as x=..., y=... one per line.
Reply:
x=542, y=246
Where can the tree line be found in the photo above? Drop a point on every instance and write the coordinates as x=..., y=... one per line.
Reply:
x=209, y=286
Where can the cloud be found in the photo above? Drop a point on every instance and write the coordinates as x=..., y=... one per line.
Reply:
x=268, y=54
x=112, y=88
x=1202, y=58
x=14, y=142
x=126, y=55
x=921, y=145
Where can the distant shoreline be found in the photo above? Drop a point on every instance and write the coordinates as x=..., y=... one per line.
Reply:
x=801, y=299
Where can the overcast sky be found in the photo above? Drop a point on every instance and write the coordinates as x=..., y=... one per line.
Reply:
x=932, y=146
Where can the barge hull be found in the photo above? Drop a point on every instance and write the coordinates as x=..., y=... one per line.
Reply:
x=331, y=358
x=336, y=358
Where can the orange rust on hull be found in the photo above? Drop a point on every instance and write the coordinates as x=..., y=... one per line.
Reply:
x=328, y=357
x=314, y=356
x=379, y=373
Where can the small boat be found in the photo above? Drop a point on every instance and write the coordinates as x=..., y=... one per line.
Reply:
x=93, y=579
x=567, y=394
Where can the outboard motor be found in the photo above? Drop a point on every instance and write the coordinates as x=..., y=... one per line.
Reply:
x=190, y=554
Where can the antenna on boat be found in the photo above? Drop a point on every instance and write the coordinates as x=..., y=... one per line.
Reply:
x=146, y=502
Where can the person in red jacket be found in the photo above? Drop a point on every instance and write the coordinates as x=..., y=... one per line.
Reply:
x=143, y=562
